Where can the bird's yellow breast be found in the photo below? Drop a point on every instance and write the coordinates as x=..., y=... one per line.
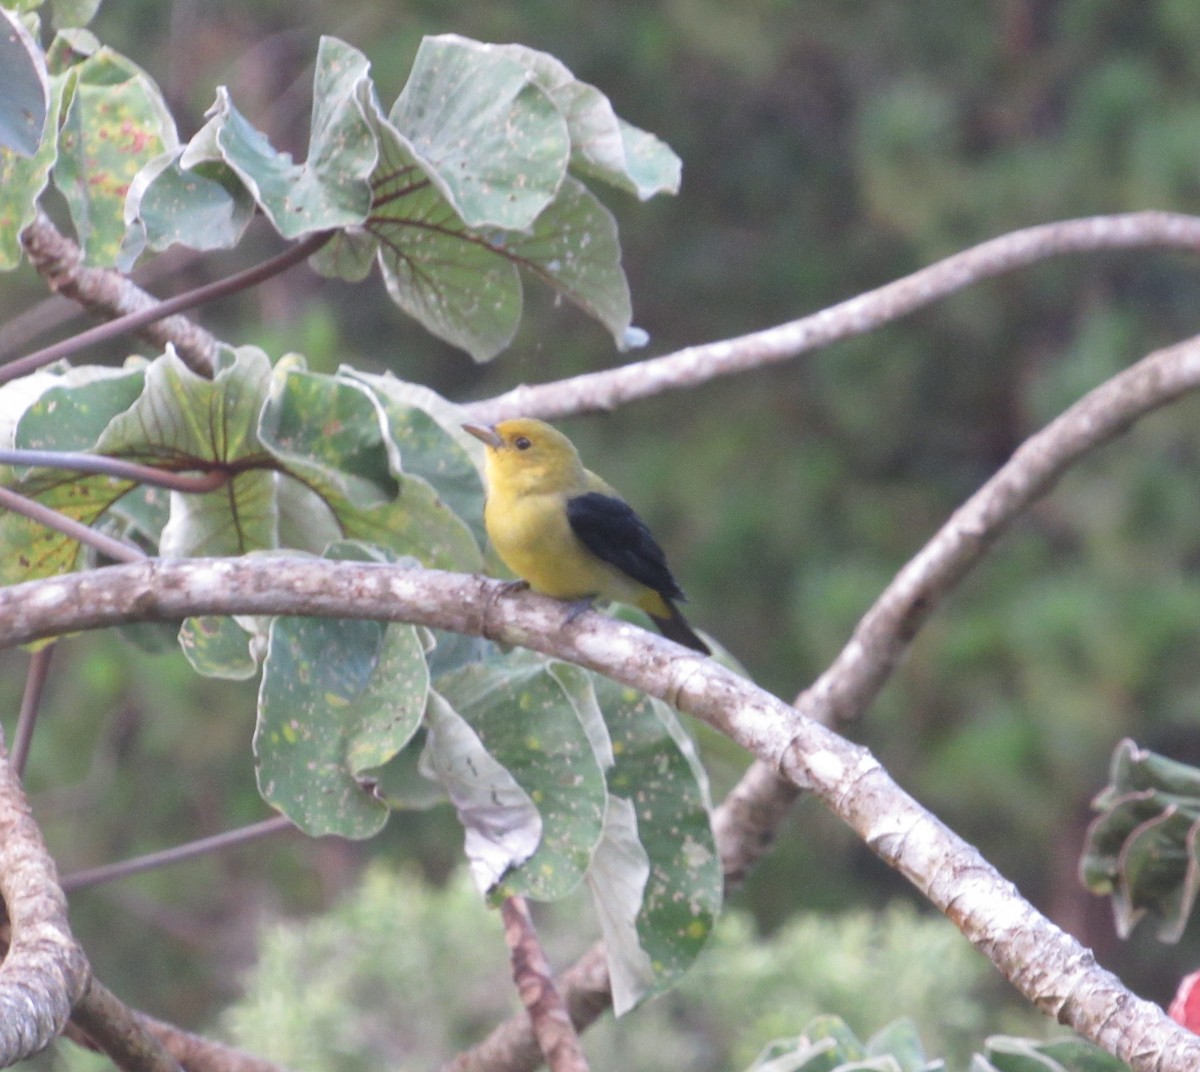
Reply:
x=533, y=538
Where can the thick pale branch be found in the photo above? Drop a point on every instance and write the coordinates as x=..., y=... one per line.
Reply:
x=44, y=971
x=698, y=364
x=882, y=637
x=1047, y=965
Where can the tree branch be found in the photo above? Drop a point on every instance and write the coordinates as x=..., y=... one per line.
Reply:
x=1047, y=965
x=45, y=970
x=698, y=364
x=546, y=1012
x=111, y=294
x=140, y=309
x=885, y=632
x=116, y=1030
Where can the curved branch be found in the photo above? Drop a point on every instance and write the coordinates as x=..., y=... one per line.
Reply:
x=45, y=971
x=885, y=632
x=146, y=310
x=111, y=294
x=698, y=364
x=116, y=1029
x=1047, y=965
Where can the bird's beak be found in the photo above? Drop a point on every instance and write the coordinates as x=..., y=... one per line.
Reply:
x=486, y=433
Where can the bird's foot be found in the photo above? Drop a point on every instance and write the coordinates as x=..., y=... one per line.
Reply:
x=577, y=607
x=513, y=586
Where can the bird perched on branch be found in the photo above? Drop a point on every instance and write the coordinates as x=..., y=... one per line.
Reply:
x=568, y=534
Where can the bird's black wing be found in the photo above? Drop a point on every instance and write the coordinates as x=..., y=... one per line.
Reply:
x=612, y=531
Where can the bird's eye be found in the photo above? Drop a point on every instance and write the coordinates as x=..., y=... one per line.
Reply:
x=521, y=443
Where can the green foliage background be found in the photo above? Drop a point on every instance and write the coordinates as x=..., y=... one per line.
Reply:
x=827, y=148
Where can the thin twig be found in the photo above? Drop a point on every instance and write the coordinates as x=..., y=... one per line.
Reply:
x=35, y=683
x=118, y=468
x=698, y=364
x=135, y=321
x=68, y=526
x=548, y=1016
x=94, y=876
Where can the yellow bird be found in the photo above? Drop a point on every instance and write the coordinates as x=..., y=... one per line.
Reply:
x=568, y=534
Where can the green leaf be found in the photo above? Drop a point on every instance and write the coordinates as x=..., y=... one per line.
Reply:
x=59, y=412
x=530, y=725
x=603, y=146
x=1142, y=847
x=435, y=268
x=426, y=432
x=400, y=782
x=502, y=825
x=489, y=138
x=1005, y=1054
x=656, y=770
x=338, y=698
x=73, y=12
x=329, y=190
x=115, y=122
x=573, y=247
x=185, y=421
x=73, y=409
x=24, y=88
x=348, y=255
x=23, y=180
x=327, y=430
x=306, y=521
x=204, y=207
x=219, y=647
x=462, y=283
x=901, y=1041
x=828, y=1045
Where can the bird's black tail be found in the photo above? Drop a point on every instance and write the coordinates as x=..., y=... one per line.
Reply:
x=677, y=629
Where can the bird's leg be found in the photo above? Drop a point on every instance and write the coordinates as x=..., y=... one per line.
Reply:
x=513, y=586
x=577, y=607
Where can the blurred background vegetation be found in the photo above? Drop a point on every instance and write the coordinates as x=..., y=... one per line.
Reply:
x=828, y=147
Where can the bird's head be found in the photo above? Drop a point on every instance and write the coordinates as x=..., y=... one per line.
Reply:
x=529, y=455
